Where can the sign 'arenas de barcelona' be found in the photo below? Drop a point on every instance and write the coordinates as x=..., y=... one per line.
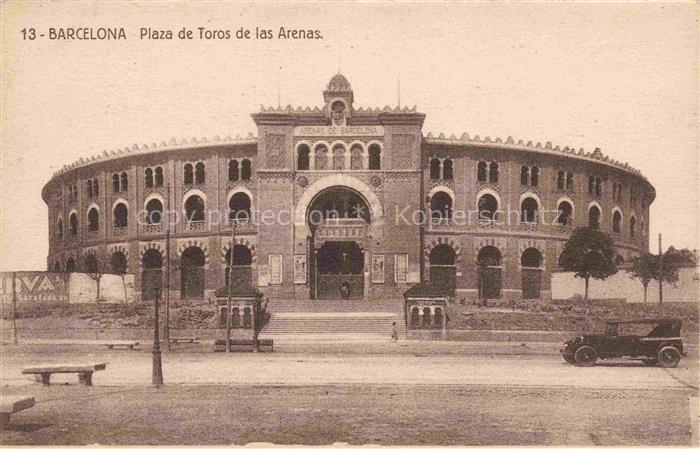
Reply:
x=337, y=202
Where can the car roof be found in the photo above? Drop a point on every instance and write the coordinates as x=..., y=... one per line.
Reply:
x=647, y=321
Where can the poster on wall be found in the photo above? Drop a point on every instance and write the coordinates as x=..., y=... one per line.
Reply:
x=378, y=268
x=401, y=268
x=263, y=276
x=300, y=269
x=275, y=263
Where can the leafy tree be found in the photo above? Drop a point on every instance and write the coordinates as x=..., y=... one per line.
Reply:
x=645, y=268
x=590, y=254
x=95, y=271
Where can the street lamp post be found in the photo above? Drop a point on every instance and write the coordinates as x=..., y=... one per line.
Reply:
x=157, y=378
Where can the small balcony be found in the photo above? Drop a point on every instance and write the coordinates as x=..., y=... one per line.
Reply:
x=153, y=228
x=121, y=232
x=93, y=235
x=195, y=225
x=342, y=229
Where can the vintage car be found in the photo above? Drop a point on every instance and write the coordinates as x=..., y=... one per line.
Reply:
x=662, y=346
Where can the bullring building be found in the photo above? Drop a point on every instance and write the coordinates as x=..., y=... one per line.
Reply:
x=338, y=202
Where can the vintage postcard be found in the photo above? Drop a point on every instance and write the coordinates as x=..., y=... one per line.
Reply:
x=354, y=223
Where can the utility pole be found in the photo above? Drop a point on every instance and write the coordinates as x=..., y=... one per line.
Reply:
x=157, y=377
x=166, y=318
x=661, y=272
x=14, y=308
x=230, y=286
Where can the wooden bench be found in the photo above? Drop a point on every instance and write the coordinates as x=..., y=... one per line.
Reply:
x=84, y=371
x=264, y=345
x=177, y=340
x=12, y=404
x=120, y=344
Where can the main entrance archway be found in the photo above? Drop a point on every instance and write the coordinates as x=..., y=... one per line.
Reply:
x=489, y=277
x=338, y=218
x=530, y=262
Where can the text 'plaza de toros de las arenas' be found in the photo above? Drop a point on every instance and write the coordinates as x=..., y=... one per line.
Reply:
x=340, y=202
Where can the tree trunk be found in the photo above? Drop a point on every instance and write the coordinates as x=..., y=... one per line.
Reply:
x=97, y=281
x=585, y=292
x=645, y=293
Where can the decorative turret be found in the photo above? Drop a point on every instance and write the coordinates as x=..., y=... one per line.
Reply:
x=338, y=97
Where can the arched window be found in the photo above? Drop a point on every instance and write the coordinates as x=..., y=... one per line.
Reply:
x=528, y=210
x=569, y=180
x=246, y=169
x=241, y=263
x=426, y=316
x=125, y=182
x=199, y=173
x=437, y=320
x=121, y=215
x=194, y=208
x=565, y=213
x=321, y=158
x=434, y=168
x=338, y=158
x=619, y=260
x=493, y=172
x=239, y=207
x=617, y=221
x=598, y=187
x=89, y=188
x=73, y=224
x=594, y=217
x=115, y=183
x=233, y=170
x=91, y=265
x=415, y=317
x=118, y=262
x=591, y=185
x=481, y=168
x=440, y=207
x=524, y=175
x=561, y=180
x=148, y=175
x=159, y=176
x=535, y=176
x=447, y=169
x=93, y=219
x=356, y=162
x=633, y=226
x=303, y=157
x=375, y=157
x=187, y=174
x=154, y=210
x=59, y=229
x=488, y=207
x=95, y=188
x=531, y=258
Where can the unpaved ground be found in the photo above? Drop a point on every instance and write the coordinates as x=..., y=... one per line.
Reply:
x=359, y=414
x=134, y=368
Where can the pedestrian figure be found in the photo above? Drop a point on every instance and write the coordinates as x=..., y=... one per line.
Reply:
x=394, y=332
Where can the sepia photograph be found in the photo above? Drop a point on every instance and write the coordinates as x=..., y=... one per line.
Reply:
x=349, y=223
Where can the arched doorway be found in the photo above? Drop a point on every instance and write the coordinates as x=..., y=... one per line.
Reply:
x=489, y=273
x=338, y=218
x=442, y=265
x=241, y=264
x=152, y=275
x=192, y=273
x=118, y=262
x=531, y=274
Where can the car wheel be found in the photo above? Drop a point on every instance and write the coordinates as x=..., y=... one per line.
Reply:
x=668, y=357
x=585, y=356
x=569, y=358
x=649, y=362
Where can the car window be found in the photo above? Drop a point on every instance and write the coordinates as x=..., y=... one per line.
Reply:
x=638, y=329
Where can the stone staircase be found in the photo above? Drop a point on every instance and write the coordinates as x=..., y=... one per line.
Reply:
x=344, y=319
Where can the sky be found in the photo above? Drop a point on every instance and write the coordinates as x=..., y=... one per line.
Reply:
x=619, y=76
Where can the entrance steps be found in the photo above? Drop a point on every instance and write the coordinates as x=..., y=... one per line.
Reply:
x=332, y=306
x=328, y=323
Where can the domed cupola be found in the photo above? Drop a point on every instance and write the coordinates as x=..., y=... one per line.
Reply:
x=338, y=97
